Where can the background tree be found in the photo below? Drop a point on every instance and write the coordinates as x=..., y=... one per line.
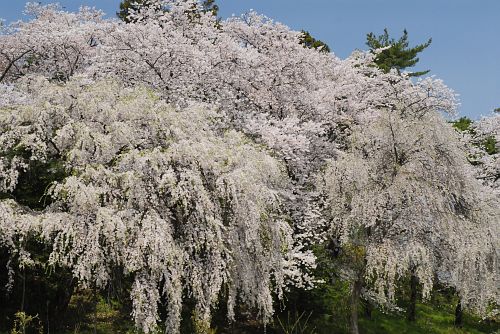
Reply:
x=463, y=124
x=210, y=6
x=69, y=39
x=396, y=54
x=482, y=139
x=486, y=139
x=129, y=6
x=397, y=164
x=310, y=42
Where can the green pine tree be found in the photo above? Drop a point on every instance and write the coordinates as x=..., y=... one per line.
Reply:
x=127, y=5
x=398, y=54
x=210, y=6
x=463, y=124
x=312, y=43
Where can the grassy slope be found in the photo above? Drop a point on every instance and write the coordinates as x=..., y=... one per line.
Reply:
x=430, y=320
x=106, y=319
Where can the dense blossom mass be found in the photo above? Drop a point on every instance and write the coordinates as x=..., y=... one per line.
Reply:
x=404, y=191
x=172, y=196
x=203, y=158
x=487, y=130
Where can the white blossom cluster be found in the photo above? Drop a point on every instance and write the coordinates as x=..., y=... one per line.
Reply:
x=489, y=164
x=182, y=203
x=204, y=157
x=405, y=192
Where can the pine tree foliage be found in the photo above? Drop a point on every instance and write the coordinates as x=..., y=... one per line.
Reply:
x=129, y=6
x=463, y=124
x=395, y=54
x=312, y=43
x=209, y=6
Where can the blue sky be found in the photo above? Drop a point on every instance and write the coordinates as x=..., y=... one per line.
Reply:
x=465, y=51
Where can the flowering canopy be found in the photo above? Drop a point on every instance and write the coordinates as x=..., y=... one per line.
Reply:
x=405, y=191
x=176, y=199
x=187, y=151
x=488, y=129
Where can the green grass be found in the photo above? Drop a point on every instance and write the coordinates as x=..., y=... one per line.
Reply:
x=434, y=317
x=430, y=320
x=107, y=318
x=100, y=318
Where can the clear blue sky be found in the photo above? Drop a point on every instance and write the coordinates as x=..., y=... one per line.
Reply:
x=465, y=51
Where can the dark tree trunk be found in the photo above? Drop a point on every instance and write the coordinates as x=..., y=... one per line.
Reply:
x=412, y=312
x=459, y=315
x=24, y=290
x=355, y=298
x=368, y=309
